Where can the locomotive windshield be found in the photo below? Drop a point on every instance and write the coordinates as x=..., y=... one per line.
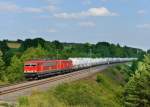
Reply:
x=30, y=65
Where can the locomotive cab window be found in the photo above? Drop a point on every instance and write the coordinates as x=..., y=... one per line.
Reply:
x=30, y=65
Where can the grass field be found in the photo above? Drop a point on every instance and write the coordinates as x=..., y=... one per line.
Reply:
x=13, y=45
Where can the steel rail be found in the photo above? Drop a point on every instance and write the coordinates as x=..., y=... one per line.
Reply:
x=38, y=83
x=15, y=88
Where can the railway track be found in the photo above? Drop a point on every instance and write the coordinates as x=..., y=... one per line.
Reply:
x=7, y=85
x=13, y=92
x=15, y=88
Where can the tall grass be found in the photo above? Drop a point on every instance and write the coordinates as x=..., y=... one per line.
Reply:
x=38, y=99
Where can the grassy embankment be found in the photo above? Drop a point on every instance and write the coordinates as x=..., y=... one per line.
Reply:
x=101, y=90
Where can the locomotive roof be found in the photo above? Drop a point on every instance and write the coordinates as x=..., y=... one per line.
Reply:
x=42, y=60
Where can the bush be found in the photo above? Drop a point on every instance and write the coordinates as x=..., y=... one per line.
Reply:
x=137, y=90
x=79, y=94
x=99, y=79
x=38, y=99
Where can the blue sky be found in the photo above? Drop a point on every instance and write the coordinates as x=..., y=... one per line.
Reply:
x=118, y=21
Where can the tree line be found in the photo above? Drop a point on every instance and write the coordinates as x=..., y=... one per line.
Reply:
x=58, y=49
x=12, y=59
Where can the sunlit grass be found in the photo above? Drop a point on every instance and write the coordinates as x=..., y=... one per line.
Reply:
x=13, y=45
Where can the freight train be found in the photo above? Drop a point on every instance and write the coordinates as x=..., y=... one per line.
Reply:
x=45, y=68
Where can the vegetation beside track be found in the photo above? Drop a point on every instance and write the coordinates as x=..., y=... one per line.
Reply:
x=102, y=90
x=119, y=86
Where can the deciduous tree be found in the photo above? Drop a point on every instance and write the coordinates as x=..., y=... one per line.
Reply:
x=2, y=67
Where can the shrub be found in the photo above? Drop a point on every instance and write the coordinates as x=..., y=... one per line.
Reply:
x=99, y=79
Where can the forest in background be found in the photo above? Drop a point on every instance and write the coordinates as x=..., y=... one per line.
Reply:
x=14, y=53
x=63, y=50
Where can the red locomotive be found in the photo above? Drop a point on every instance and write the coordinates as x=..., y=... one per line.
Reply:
x=40, y=68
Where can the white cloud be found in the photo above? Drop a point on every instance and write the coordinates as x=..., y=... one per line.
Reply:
x=49, y=8
x=141, y=12
x=38, y=10
x=143, y=26
x=8, y=7
x=101, y=11
x=11, y=7
x=32, y=10
x=68, y=15
x=52, y=1
x=51, y=30
x=87, y=2
x=104, y=0
x=33, y=31
x=38, y=31
x=87, y=24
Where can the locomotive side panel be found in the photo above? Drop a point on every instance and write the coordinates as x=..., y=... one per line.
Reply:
x=63, y=64
x=47, y=66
